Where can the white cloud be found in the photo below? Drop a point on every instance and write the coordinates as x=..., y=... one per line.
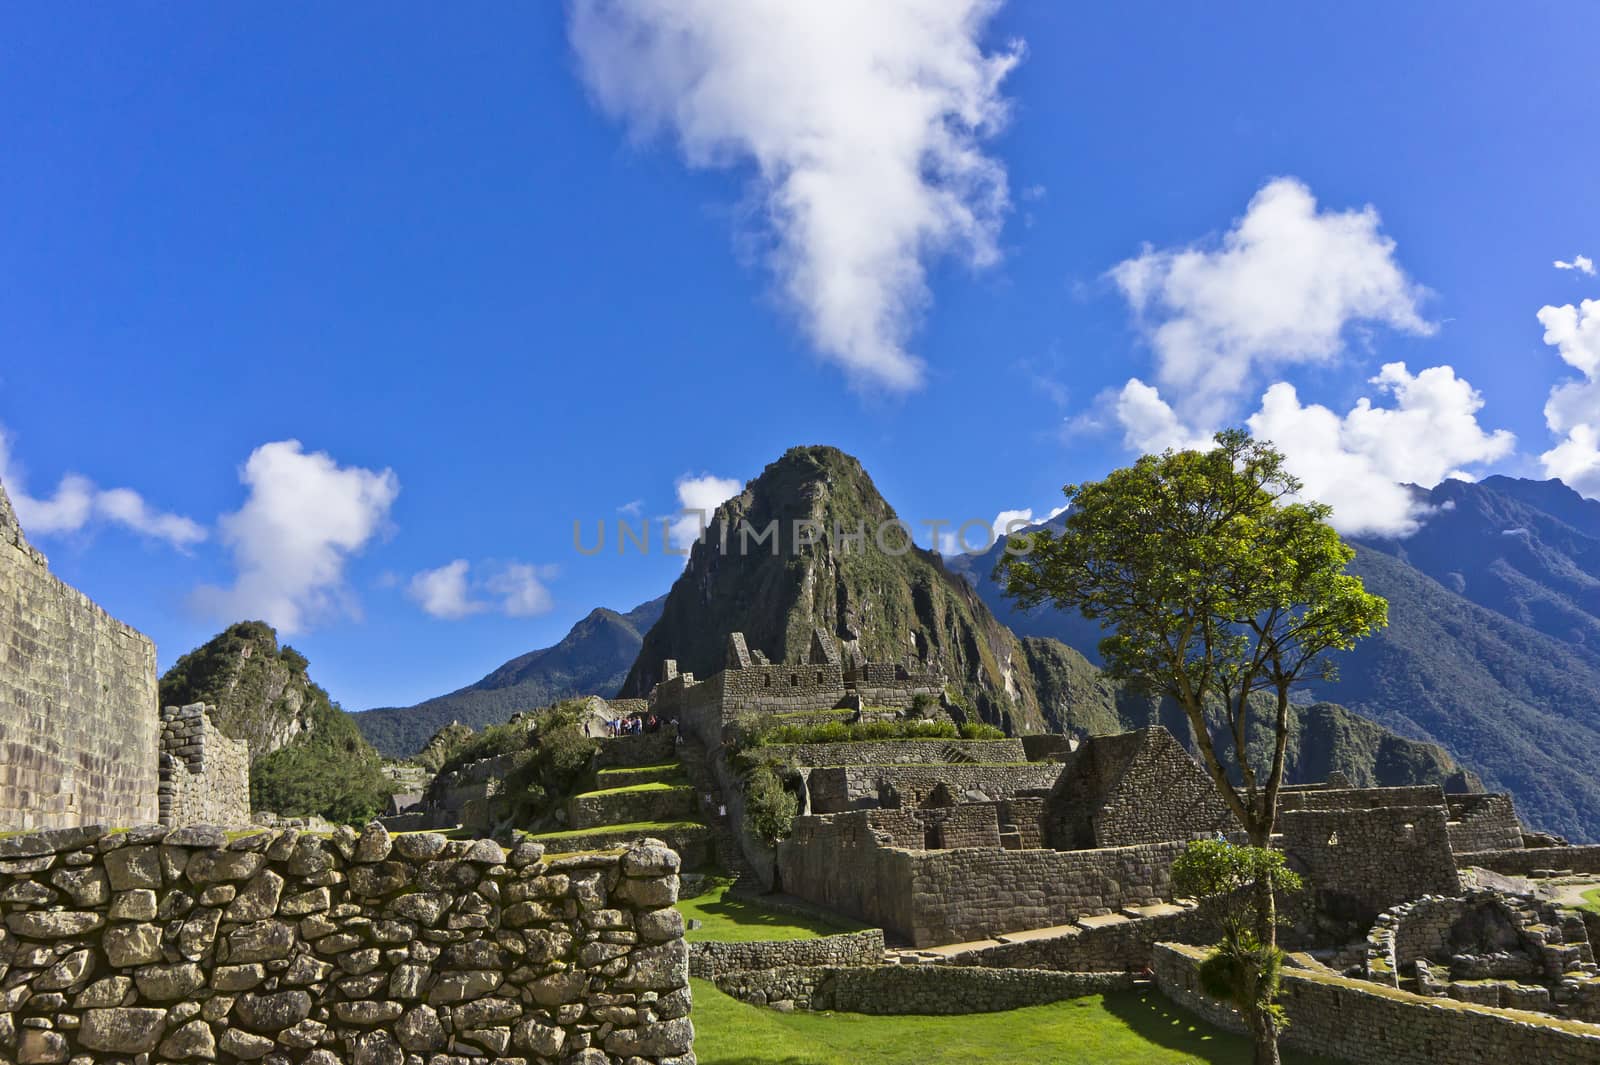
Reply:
x=864, y=122
x=77, y=502
x=633, y=508
x=703, y=495
x=1573, y=410
x=443, y=592
x=1358, y=463
x=1581, y=263
x=521, y=589
x=1149, y=424
x=1282, y=288
x=304, y=517
x=450, y=592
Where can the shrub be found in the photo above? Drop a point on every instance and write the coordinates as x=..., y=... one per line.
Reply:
x=769, y=807
x=977, y=730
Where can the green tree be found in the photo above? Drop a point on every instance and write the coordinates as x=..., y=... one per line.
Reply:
x=1221, y=592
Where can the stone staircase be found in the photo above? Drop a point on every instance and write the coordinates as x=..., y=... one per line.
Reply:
x=713, y=807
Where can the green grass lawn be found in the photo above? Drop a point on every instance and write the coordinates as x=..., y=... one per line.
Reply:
x=653, y=785
x=1591, y=900
x=636, y=828
x=1123, y=1028
x=737, y=919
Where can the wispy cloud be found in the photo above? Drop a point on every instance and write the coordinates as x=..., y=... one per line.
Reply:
x=1581, y=263
x=77, y=503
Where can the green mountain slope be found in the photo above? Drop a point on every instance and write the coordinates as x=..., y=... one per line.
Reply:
x=880, y=606
x=306, y=754
x=592, y=659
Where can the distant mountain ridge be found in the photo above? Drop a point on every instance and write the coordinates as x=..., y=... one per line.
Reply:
x=591, y=659
x=1493, y=646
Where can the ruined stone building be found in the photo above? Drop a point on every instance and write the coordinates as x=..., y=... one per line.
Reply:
x=79, y=732
x=82, y=738
x=750, y=684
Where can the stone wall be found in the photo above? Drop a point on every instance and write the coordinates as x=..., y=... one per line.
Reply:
x=833, y=789
x=710, y=960
x=898, y=752
x=1361, y=862
x=1483, y=823
x=1357, y=1022
x=1125, y=946
x=205, y=776
x=79, y=733
x=1520, y=861
x=850, y=863
x=647, y=748
x=1325, y=798
x=1135, y=787
x=927, y=990
x=291, y=948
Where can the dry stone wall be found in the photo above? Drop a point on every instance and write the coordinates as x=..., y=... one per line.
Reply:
x=78, y=723
x=1360, y=1023
x=205, y=776
x=1369, y=860
x=898, y=990
x=851, y=863
x=713, y=959
x=834, y=789
x=897, y=752
x=295, y=949
x=1483, y=823
x=1521, y=861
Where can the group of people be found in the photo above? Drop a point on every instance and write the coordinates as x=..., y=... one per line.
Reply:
x=633, y=725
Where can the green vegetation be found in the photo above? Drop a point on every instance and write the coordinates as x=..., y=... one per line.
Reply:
x=1591, y=900
x=1220, y=595
x=743, y=919
x=769, y=807
x=654, y=785
x=632, y=830
x=1124, y=1028
x=307, y=756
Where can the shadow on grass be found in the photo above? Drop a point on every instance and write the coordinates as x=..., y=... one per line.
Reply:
x=749, y=913
x=1154, y=1018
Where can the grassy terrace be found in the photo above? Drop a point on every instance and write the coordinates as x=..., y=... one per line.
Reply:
x=1125, y=1028
x=635, y=830
x=738, y=919
x=652, y=785
x=1591, y=900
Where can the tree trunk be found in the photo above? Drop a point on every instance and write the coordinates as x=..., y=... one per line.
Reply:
x=1262, y=1029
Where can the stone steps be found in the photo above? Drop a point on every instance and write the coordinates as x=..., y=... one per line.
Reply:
x=704, y=781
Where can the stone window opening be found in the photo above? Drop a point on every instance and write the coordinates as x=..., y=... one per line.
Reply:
x=794, y=680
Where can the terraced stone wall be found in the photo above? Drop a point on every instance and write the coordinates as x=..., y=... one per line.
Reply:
x=79, y=727
x=927, y=990
x=1525, y=861
x=1483, y=823
x=898, y=752
x=710, y=960
x=291, y=949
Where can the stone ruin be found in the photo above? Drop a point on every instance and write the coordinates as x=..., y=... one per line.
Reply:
x=293, y=948
x=82, y=737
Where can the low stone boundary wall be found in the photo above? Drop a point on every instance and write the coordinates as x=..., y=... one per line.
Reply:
x=898, y=752
x=183, y=944
x=1523, y=861
x=1364, y=1024
x=927, y=990
x=693, y=844
x=713, y=959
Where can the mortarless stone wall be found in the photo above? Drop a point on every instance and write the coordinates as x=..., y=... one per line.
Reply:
x=926, y=990
x=1361, y=862
x=1483, y=823
x=713, y=959
x=205, y=776
x=297, y=949
x=833, y=789
x=1360, y=1023
x=78, y=706
x=1520, y=861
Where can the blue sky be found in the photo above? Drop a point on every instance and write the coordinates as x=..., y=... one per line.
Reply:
x=501, y=272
